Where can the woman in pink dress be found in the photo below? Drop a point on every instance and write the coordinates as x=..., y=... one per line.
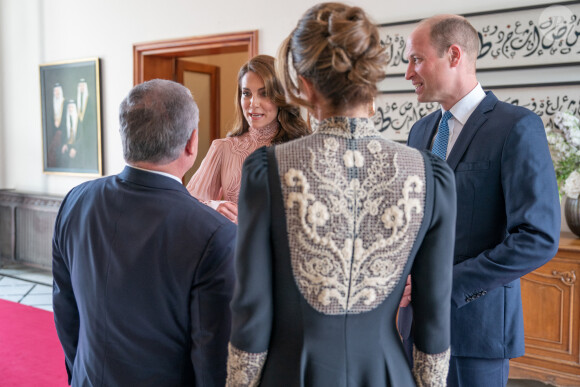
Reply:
x=262, y=118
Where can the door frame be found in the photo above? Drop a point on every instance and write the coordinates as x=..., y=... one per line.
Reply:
x=159, y=59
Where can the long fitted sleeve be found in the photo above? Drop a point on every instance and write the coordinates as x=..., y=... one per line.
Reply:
x=206, y=183
x=252, y=305
x=432, y=278
x=532, y=221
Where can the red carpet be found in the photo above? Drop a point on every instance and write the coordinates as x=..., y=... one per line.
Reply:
x=30, y=353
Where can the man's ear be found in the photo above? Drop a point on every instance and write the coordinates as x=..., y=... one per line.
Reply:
x=191, y=146
x=455, y=54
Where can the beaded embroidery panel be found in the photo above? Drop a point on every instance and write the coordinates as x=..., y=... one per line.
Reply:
x=354, y=204
x=430, y=369
x=244, y=368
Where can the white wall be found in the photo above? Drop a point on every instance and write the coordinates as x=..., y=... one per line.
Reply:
x=36, y=31
x=20, y=135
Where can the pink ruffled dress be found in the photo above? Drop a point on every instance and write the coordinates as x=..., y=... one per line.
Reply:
x=219, y=176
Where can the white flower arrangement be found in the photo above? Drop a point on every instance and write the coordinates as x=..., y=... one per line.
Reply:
x=564, y=141
x=572, y=185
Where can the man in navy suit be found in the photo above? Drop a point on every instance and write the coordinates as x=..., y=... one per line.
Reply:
x=508, y=211
x=143, y=272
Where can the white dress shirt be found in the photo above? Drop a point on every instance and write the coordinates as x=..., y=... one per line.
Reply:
x=461, y=112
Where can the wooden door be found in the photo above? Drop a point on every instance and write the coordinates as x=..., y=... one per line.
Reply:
x=203, y=80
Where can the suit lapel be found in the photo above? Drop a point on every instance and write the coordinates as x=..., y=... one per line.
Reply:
x=430, y=127
x=475, y=121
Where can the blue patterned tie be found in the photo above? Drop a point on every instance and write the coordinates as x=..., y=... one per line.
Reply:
x=442, y=137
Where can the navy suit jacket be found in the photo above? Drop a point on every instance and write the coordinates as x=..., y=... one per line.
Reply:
x=508, y=222
x=143, y=277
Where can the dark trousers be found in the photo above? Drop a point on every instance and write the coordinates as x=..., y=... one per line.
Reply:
x=477, y=372
x=463, y=371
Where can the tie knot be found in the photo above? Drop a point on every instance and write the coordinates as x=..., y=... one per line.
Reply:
x=446, y=116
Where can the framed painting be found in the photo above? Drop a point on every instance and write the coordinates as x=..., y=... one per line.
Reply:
x=397, y=111
x=71, y=117
x=534, y=36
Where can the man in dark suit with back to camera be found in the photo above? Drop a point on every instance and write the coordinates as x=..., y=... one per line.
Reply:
x=143, y=272
x=508, y=211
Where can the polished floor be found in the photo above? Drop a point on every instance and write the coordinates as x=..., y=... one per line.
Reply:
x=28, y=286
x=33, y=287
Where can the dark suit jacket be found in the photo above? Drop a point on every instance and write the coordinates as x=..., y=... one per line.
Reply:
x=508, y=222
x=143, y=276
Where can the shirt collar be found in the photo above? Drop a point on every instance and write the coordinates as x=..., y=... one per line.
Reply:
x=157, y=172
x=466, y=105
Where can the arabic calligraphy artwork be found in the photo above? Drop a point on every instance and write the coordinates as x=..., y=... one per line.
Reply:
x=538, y=36
x=71, y=117
x=545, y=101
x=397, y=112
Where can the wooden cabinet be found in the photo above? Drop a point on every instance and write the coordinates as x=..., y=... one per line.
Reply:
x=551, y=302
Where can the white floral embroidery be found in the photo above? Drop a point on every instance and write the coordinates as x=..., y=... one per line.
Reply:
x=393, y=218
x=317, y=214
x=374, y=146
x=353, y=159
x=244, y=368
x=331, y=144
x=348, y=159
x=430, y=369
x=295, y=177
x=350, y=229
x=359, y=159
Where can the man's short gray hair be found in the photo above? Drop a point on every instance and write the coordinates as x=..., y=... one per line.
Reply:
x=157, y=119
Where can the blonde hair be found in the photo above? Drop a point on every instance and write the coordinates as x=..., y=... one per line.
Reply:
x=291, y=123
x=338, y=49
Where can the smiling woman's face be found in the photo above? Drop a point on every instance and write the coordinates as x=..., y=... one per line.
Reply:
x=257, y=107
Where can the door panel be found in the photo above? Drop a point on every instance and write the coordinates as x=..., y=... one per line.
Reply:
x=203, y=81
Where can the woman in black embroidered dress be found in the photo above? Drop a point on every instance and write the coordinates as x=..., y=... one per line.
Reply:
x=331, y=225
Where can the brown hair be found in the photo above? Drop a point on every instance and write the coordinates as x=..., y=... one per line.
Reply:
x=452, y=29
x=338, y=49
x=291, y=123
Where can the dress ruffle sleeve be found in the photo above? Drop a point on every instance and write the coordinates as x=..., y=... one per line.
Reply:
x=252, y=304
x=432, y=279
x=206, y=184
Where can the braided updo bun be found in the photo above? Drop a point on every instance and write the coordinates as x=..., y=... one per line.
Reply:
x=338, y=49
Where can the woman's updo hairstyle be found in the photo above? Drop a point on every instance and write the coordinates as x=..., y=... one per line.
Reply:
x=338, y=49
